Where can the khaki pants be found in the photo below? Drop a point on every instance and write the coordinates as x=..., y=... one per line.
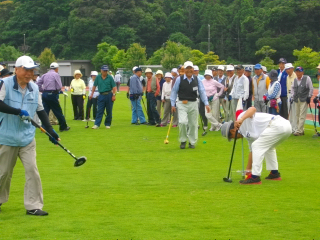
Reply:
x=301, y=109
x=52, y=118
x=260, y=106
x=292, y=115
x=33, y=196
x=223, y=103
x=159, y=105
x=234, y=103
x=166, y=112
x=215, y=108
x=188, y=121
x=211, y=115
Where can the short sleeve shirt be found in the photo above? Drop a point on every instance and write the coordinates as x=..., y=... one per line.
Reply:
x=104, y=85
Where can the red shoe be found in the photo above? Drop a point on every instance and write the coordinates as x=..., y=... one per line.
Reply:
x=174, y=126
x=251, y=180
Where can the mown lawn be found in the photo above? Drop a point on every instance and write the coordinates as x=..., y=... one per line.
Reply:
x=133, y=186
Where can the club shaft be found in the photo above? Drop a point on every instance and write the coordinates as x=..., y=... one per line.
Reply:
x=234, y=145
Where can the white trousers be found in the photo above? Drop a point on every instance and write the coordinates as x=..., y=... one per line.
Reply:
x=278, y=130
x=211, y=116
x=292, y=115
x=188, y=121
x=301, y=109
x=33, y=196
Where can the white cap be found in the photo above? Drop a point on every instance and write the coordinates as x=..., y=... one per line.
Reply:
x=288, y=65
x=54, y=65
x=168, y=75
x=94, y=73
x=175, y=70
x=134, y=68
x=26, y=62
x=230, y=68
x=208, y=72
x=148, y=70
x=221, y=67
x=318, y=66
x=264, y=68
x=195, y=68
x=117, y=72
x=188, y=64
x=159, y=72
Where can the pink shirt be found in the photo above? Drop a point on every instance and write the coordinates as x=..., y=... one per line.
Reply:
x=211, y=88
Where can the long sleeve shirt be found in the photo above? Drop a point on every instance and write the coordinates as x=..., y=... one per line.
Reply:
x=290, y=80
x=175, y=89
x=96, y=92
x=117, y=78
x=211, y=87
x=166, y=90
x=50, y=81
x=276, y=89
x=308, y=83
x=79, y=87
x=135, y=85
x=238, y=93
x=149, y=86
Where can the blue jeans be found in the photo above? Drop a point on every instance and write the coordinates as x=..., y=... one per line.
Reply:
x=93, y=103
x=137, y=112
x=153, y=115
x=104, y=102
x=50, y=101
x=274, y=111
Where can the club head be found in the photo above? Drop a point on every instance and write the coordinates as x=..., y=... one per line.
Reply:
x=229, y=180
x=166, y=141
x=315, y=136
x=204, y=133
x=86, y=127
x=80, y=161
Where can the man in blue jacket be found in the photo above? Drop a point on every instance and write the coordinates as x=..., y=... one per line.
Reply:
x=19, y=102
x=282, y=78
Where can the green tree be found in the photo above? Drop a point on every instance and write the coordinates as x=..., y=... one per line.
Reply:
x=9, y=53
x=179, y=37
x=118, y=60
x=136, y=55
x=306, y=58
x=172, y=55
x=268, y=63
x=266, y=51
x=213, y=59
x=198, y=59
x=156, y=57
x=46, y=58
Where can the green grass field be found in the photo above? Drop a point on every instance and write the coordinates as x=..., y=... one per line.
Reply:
x=133, y=186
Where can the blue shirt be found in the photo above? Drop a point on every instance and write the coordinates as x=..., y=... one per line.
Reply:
x=275, y=90
x=135, y=85
x=175, y=89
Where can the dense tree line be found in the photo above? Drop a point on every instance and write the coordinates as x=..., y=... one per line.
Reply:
x=72, y=29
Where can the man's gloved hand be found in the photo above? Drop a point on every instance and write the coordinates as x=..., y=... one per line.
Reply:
x=315, y=100
x=54, y=135
x=66, y=94
x=128, y=95
x=229, y=98
x=24, y=115
x=308, y=100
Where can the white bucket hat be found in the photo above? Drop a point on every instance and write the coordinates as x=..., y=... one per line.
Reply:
x=77, y=72
x=230, y=68
x=188, y=64
x=148, y=70
x=159, y=72
x=168, y=75
x=288, y=65
x=208, y=72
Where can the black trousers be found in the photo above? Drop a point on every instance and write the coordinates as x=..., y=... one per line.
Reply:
x=284, y=108
x=153, y=115
x=77, y=102
x=92, y=104
x=202, y=113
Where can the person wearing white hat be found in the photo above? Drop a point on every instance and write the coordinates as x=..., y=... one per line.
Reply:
x=264, y=132
x=229, y=86
x=165, y=98
x=117, y=80
x=50, y=85
x=187, y=88
x=153, y=90
x=264, y=69
x=19, y=102
x=78, y=94
x=291, y=109
x=160, y=79
x=92, y=103
x=214, y=90
x=221, y=78
x=196, y=72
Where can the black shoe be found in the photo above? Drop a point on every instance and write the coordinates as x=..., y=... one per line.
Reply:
x=37, y=212
x=183, y=145
x=275, y=176
x=145, y=123
x=192, y=146
x=151, y=124
x=66, y=129
x=158, y=125
x=251, y=180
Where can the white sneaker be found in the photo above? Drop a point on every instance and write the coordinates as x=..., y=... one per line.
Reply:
x=212, y=129
x=92, y=120
x=205, y=128
x=95, y=127
x=85, y=120
x=218, y=127
x=107, y=127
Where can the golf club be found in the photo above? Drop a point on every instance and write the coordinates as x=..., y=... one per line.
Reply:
x=78, y=161
x=228, y=179
x=314, y=123
x=166, y=141
x=204, y=131
x=88, y=116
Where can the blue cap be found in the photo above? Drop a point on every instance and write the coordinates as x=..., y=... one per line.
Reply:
x=300, y=69
x=249, y=69
x=105, y=68
x=138, y=69
x=258, y=66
